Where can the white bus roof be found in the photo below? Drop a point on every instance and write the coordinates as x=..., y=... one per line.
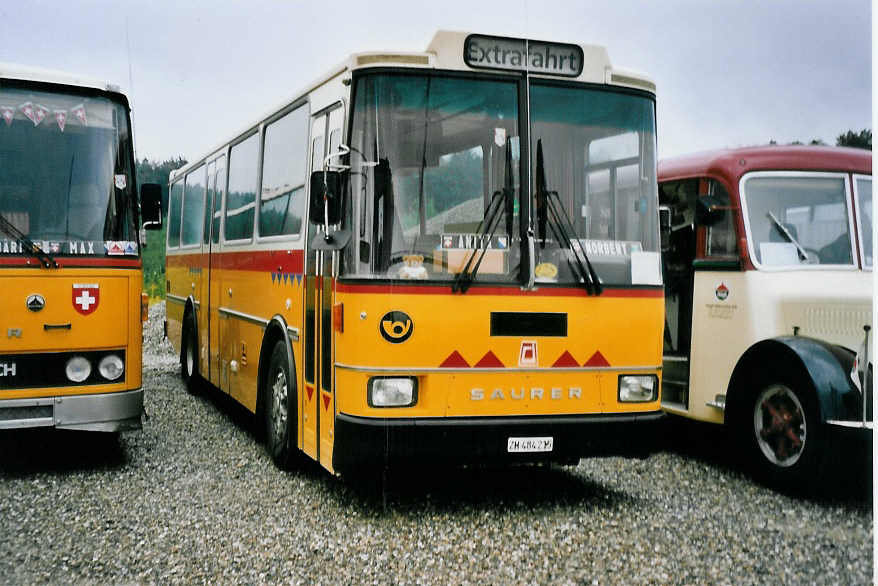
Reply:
x=38, y=74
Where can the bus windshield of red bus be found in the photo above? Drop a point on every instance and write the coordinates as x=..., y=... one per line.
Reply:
x=66, y=181
x=798, y=219
x=435, y=180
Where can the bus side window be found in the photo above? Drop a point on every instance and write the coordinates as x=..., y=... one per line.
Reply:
x=282, y=202
x=193, y=206
x=174, y=213
x=241, y=195
x=721, y=239
x=218, y=198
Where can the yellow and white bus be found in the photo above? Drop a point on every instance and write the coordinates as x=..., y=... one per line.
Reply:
x=449, y=255
x=70, y=267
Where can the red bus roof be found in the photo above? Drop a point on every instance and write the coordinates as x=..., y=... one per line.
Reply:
x=732, y=163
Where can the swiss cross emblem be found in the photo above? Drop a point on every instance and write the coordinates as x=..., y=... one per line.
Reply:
x=86, y=297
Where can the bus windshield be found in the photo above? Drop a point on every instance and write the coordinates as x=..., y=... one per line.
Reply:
x=429, y=155
x=435, y=180
x=594, y=172
x=66, y=181
x=796, y=219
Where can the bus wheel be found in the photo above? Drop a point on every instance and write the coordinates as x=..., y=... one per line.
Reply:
x=189, y=355
x=280, y=409
x=783, y=435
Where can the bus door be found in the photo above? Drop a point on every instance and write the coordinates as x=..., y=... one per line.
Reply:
x=216, y=180
x=318, y=400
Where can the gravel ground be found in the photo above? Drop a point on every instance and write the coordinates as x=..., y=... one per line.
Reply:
x=193, y=498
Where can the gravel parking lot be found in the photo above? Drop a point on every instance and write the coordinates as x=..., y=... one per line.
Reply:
x=193, y=498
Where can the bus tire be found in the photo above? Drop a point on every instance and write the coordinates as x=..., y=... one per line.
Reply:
x=280, y=409
x=189, y=355
x=779, y=426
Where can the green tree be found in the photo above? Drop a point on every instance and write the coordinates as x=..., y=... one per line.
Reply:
x=860, y=140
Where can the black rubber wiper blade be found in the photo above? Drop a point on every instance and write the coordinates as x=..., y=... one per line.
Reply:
x=551, y=213
x=27, y=244
x=502, y=198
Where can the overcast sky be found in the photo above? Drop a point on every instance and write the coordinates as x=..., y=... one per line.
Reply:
x=729, y=73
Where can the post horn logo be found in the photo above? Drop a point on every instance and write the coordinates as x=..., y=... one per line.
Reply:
x=396, y=327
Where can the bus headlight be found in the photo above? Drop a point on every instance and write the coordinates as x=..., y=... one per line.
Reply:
x=393, y=392
x=111, y=367
x=78, y=369
x=635, y=388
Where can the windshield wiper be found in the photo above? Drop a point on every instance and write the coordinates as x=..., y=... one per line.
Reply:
x=27, y=244
x=502, y=198
x=786, y=234
x=551, y=212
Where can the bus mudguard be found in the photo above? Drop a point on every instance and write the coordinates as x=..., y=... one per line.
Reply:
x=826, y=365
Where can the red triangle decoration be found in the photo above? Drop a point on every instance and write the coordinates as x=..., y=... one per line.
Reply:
x=309, y=391
x=326, y=400
x=454, y=360
x=566, y=360
x=597, y=359
x=489, y=360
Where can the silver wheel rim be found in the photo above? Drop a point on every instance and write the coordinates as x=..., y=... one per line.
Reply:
x=780, y=426
x=190, y=359
x=279, y=411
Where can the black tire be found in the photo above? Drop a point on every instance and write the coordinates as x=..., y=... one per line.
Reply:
x=189, y=356
x=280, y=411
x=779, y=426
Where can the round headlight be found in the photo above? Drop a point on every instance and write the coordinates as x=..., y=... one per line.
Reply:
x=78, y=369
x=111, y=367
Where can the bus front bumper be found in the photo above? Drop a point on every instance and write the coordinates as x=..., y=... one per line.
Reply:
x=365, y=442
x=119, y=411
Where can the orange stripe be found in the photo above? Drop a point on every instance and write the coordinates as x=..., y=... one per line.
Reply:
x=511, y=291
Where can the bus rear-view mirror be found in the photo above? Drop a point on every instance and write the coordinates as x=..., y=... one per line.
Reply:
x=325, y=197
x=151, y=205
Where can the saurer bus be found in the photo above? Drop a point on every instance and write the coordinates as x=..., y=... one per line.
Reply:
x=449, y=255
x=70, y=268
x=768, y=285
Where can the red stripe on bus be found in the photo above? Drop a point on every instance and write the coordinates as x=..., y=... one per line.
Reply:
x=383, y=288
x=283, y=261
x=72, y=263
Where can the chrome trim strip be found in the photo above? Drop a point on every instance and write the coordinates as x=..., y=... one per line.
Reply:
x=474, y=369
x=293, y=333
x=244, y=316
x=852, y=424
x=175, y=298
x=716, y=405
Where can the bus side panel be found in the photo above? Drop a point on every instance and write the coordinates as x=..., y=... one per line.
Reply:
x=176, y=273
x=758, y=305
x=259, y=291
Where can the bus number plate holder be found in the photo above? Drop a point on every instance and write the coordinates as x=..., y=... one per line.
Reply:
x=529, y=444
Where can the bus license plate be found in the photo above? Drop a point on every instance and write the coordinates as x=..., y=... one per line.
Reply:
x=529, y=444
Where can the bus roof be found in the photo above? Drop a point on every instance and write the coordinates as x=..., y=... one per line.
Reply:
x=732, y=163
x=40, y=75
